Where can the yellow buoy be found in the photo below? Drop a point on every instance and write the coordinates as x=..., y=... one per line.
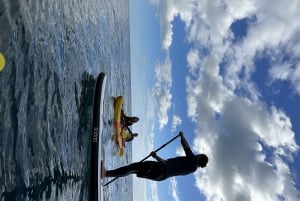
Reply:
x=2, y=61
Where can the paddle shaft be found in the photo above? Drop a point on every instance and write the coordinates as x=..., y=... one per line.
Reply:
x=162, y=146
x=148, y=156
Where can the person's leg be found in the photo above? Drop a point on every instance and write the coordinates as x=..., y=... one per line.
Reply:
x=147, y=169
x=152, y=170
x=125, y=170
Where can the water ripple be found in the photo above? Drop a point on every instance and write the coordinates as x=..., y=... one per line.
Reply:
x=54, y=51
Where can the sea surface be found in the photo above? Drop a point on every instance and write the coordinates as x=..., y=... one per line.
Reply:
x=54, y=50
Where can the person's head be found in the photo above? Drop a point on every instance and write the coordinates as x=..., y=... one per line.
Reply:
x=202, y=160
x=135, y=134
x=135, y=119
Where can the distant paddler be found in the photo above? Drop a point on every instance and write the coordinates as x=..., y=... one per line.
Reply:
x=126, y=122
x=122, y=122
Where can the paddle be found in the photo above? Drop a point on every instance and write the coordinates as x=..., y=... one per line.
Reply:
x=148, y=155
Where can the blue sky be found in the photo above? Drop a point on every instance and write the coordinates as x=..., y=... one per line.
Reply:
x=227, y=74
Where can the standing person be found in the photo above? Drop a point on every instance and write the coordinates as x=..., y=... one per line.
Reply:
x=162, y=169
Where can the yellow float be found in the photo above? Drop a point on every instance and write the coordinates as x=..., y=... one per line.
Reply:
x=2, y=62
x=118, y=134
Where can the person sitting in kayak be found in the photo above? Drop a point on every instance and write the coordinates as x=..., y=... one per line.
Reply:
x=128, y=121
x=162, y=169
x=129, y=135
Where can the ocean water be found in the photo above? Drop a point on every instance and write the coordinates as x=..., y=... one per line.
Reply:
x=54, y=50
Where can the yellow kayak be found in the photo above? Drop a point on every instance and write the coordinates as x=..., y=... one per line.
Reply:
x=118, y=136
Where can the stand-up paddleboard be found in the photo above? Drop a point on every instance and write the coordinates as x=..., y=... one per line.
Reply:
x=96, y=187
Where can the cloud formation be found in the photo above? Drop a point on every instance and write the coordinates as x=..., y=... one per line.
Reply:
x=175, y=123
x=173, y=191
x=162, y=90
x=245, y=139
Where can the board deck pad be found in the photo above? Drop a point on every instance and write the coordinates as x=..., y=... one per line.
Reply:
x=96, y=190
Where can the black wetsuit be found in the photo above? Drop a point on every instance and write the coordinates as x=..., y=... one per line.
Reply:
x=161, y=169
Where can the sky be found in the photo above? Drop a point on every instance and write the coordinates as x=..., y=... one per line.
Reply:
x=227, y=74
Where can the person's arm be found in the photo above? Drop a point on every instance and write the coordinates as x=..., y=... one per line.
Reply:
x=123, y=113
x=185, y=145
x=129, y=130
x=159, y=159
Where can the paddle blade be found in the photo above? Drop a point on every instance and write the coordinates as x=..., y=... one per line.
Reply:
x=124, y=134
x=121, y=152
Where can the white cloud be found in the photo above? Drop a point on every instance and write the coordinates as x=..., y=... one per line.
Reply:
x=168, y=10
x=275, y=32
x=286, y=72
x=144, y=108
x=154, y=191
x=162, y=92
x=248, y=143
x=245, y=139
x=139, y=187
x=193, y=60
x=280, y=72
x=175, y=123
x=173, y=191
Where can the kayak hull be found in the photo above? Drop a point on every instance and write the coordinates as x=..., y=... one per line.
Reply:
x=118, y=136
